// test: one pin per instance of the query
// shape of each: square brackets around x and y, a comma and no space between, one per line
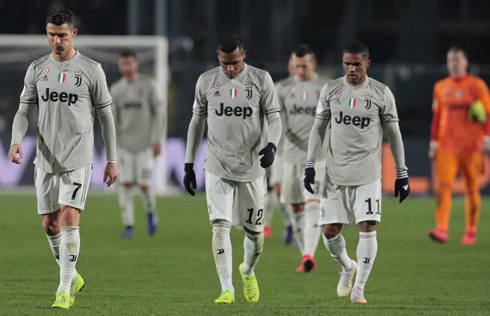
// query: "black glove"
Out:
[309,177]
[190,178]
[268,153]
[401,185]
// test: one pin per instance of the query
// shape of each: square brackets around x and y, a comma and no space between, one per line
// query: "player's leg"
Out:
[269,204]
[367,210]
[334,214]
[127,177]
[471,168]
[446,168]
[285,210]
[73,191]
[219,198]
[250,205]
[144,167]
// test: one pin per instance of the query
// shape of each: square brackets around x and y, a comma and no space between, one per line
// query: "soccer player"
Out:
[138,114]
[358,110]
[298,97]
[460,126]
[65,86]
[234,99]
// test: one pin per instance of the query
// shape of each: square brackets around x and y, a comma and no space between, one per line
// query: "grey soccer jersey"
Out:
[356,115]
[65,93]
[298,100]
[138,113]
[235,110]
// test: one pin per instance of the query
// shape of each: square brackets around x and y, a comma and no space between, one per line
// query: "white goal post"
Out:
[152,52]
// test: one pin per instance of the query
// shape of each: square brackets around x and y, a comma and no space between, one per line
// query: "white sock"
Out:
[149,200]
[269,204]
[69,249]
[126,205]
[222,253]
[285,210]
[252,246]
[298,221]
[366,253]
[336,247]
[312,230]
[54,244]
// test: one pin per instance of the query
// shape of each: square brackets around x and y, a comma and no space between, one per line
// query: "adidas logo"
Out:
[45,78]
[217,94]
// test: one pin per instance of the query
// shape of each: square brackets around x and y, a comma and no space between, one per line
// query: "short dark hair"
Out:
[356,48]
[301,50]
[128,53]
[457,48]
[60,17]
[229,42]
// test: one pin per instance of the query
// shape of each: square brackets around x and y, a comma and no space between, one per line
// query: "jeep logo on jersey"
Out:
[303,110]
[243,111]
[354,120]
[62,97]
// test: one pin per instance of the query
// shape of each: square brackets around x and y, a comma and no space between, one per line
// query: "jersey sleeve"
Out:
[200,106]
[158,113]
[268,98]
[99,92]
[483,95]
[435,100]
[388,110]
[323,108]
[29,92]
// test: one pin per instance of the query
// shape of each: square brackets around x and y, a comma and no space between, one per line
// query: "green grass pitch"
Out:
[173,272]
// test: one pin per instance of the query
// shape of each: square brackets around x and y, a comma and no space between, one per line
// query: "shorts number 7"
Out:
[78,186]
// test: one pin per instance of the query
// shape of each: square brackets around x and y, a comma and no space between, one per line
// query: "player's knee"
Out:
[330,231]
[50,226]
[144,188]
[127,185]
[298,207]
[367,226]
[221,226]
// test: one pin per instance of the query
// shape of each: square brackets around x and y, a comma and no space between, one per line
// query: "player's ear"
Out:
[368,63]
[75,32]
[244,53]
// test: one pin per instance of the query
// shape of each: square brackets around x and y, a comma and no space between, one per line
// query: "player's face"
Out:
[355,67]
[60,39]
[304,67]
[232,63]
[457,64]
[128,66]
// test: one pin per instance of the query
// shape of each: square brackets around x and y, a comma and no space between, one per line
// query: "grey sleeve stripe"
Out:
[272,111]
[322,118]
[28,102]
[101,106]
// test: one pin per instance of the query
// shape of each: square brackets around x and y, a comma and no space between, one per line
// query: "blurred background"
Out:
[408,41]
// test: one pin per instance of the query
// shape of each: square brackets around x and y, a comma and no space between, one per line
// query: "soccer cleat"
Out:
[250,286]
[345,282]
[267,232]
[77,285]
[227,297]
[62,300]
[469,239]
[287,235]
[128,233]
[151,223]
[357,296]
[438,235]
[307,264]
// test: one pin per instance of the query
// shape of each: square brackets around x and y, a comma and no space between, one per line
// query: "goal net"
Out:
[18,51]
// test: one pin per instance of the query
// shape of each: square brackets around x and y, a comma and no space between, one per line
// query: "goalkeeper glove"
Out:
[401,185]
[477,112]
[190,178]
[268,153]
[309,177]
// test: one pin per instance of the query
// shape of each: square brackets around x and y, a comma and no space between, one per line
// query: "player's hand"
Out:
[15,154]
[432,150]
[268,153]
[309,177]
[190,178]
[111,173]
[485,148]
[402,186]
[157,149]
[277,188]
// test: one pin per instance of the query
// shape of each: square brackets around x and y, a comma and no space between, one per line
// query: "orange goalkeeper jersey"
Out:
[451,127]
